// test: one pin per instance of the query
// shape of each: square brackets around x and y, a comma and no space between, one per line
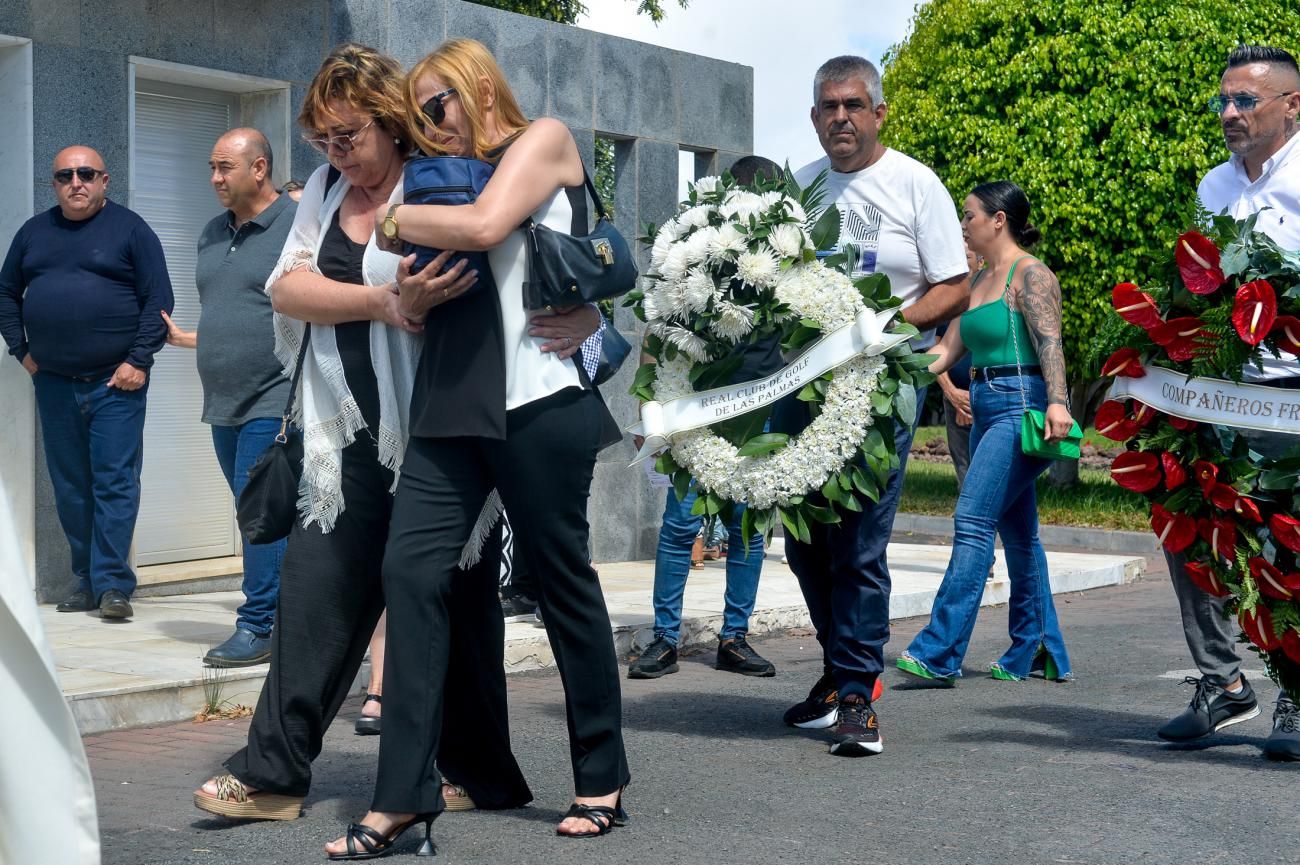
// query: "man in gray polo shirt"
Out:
[244,388]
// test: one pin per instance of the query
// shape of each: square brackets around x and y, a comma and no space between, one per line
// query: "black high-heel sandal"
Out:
[603,817]
[374,845]
[365,725]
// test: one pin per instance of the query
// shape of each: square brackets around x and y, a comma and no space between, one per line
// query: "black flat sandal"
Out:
[374,845]
[367,726]
[603,817]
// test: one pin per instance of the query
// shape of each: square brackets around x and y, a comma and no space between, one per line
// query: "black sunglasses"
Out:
[434,109]
[84,173]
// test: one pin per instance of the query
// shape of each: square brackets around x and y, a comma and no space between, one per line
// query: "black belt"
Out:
[988,373]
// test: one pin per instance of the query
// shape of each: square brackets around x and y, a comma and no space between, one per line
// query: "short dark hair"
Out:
[747,169]
[292,186]
[1248,55]
[1005,196]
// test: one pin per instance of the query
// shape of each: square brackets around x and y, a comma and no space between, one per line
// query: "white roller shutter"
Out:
[186,511]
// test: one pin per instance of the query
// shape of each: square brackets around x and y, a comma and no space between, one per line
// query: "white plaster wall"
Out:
[17,405]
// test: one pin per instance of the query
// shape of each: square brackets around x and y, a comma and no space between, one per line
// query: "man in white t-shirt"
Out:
[1258,101]
[901,222]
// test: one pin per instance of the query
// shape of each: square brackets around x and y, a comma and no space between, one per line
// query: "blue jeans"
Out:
[999,496]
[673,564]
[94,448]
[238,447]
[844,573]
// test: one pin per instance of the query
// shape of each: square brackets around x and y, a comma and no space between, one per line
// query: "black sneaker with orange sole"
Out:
[818,710]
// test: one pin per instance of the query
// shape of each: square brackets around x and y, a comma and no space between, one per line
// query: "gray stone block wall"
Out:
[652,101]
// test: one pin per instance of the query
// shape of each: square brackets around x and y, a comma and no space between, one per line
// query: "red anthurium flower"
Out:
[1134,306]
[1222,496]
[1198,263]
[1175,474]
[1269,579]
[1287,531]
[1126,362]
[1244,507]
[1286,330]
[1113,421]
[1257,625]
[1206,579]
[1182,338]
[1254,311]
[1221,534]
[1291,644]
[1181,423]
[1136,470]
[1206,474]
[1175,531]
[1145,414]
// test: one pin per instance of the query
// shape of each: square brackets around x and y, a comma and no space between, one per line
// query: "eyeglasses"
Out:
[344,142]
[434,109]
[84,173]
[1242,101]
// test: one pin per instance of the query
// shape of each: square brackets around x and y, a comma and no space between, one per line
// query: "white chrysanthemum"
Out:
[741,205]
[787,240]
[697,216]
[708,185]
[770,198]
[726,243]
[700,289]
[650,306]
[697,245]
[672,229]
[758,269]
[821,293]
[796,210]
[659,251]
[675,263]
[690,344]
[734,321]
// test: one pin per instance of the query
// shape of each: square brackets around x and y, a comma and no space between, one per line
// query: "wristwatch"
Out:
[390,222]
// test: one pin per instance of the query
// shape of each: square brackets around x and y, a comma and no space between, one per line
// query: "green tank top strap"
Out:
[1011,273]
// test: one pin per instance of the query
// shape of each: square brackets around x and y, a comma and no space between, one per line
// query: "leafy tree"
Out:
[568,11]
[1097,108]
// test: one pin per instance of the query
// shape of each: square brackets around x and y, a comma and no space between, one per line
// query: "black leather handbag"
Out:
[268,505]
[614,349]
[447,180]
[566,269]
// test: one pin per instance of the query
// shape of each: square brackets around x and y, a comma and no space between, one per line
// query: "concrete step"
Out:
[149,670]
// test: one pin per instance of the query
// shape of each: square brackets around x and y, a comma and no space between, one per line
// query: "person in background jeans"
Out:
[680,528]
[81,290]
[244,387]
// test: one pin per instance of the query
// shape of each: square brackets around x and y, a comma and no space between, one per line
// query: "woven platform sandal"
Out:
[236,801]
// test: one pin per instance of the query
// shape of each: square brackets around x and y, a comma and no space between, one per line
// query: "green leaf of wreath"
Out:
[682,486]
[826,516]
[826,231]
[881,403]
[831,490]
[905,403]
[851,503]
[763,444]
[796,525]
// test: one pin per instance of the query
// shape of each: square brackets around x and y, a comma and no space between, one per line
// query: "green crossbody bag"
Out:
[1033,423]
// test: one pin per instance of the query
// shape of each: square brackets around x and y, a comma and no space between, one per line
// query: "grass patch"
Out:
[1095,502]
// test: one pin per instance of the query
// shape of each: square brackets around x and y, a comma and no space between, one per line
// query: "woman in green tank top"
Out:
[1013,331]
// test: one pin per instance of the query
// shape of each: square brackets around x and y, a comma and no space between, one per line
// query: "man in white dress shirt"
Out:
[1258,101]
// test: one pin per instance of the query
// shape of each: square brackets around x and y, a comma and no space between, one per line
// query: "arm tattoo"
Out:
[1040,303]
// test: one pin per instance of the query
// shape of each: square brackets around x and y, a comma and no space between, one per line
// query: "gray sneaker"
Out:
[1284,742]
[1210,710]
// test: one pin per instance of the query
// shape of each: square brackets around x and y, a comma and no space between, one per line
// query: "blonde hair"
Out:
[360,77]
[464,64]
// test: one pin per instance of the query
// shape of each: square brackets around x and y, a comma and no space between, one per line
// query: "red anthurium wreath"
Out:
[1233,515]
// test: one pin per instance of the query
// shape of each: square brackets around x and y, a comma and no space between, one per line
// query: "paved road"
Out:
[988,772]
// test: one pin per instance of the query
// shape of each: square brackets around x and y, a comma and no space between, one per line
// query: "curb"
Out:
[1093,540]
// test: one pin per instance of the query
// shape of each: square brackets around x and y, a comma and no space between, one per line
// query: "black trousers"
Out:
[331,596]
[543,470]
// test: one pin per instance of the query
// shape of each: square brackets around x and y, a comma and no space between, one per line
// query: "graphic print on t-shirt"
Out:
[860,226]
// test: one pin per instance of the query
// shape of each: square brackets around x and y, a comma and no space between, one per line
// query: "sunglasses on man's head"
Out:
[84,173]
[434,109]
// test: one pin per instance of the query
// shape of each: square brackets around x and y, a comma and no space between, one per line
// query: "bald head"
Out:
[80,182]
[241,172]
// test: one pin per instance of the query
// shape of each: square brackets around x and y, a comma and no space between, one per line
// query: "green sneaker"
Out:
[1002,674]
[913,667]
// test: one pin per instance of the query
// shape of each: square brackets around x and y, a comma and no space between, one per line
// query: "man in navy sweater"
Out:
[81,295]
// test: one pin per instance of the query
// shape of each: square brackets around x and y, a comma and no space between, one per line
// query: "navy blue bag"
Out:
[447,180]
